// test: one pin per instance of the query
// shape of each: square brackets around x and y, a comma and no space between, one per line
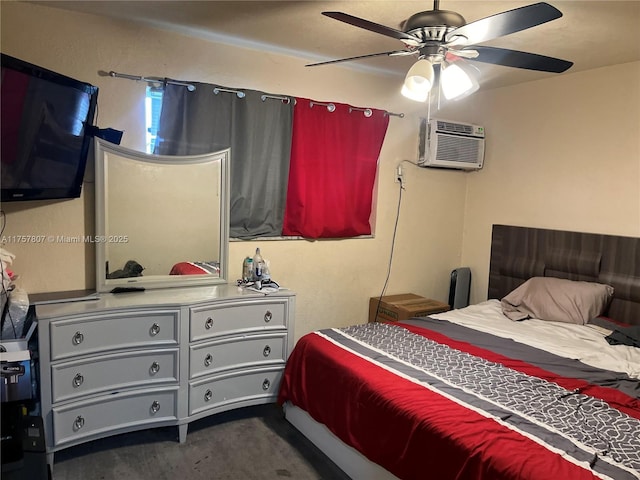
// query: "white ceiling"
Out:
[591,34]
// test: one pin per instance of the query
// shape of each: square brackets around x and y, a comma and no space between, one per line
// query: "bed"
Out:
[472,393]
[195,268]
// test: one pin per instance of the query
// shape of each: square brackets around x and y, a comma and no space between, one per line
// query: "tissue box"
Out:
[393,308]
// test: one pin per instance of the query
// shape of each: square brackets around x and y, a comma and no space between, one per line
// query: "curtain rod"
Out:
[239,93]
[139,78]
[367,112]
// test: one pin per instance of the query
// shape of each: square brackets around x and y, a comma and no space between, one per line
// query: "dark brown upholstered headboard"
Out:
[519,253]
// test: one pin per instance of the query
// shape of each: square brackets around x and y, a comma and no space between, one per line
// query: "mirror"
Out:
[161,221]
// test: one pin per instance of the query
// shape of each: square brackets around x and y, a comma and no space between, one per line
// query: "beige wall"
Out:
[562,153]
[333,279]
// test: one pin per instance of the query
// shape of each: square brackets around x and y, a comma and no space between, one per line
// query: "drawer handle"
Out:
[154,330]
[154,368]
[208,323]
[268,316]
[208,395]
[267,351]
[78,380]
[155,406]
[78,423]
[208,360]
[266,384]
[78,338]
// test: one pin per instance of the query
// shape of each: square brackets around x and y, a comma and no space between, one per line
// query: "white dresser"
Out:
[164,357]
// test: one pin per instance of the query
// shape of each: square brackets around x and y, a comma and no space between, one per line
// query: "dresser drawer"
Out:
[210,321]
[113,372]
[110,413]
[233,353]
[225,390]
[100,333]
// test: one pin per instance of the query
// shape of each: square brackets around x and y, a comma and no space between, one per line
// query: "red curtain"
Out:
[334,157]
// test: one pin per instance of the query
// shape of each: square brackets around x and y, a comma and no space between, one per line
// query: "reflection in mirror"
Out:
[161,221]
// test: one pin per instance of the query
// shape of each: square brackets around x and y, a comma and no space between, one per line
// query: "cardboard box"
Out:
[393,308]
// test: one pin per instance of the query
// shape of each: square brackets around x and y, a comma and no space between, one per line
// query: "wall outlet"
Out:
[399,175]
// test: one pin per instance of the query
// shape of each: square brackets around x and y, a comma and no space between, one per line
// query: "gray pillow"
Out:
[558,300]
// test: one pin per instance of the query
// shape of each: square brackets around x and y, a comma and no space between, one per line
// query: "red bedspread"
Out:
[457,421]
[195,268]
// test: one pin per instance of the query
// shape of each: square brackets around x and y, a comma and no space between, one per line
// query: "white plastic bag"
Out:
[13,324]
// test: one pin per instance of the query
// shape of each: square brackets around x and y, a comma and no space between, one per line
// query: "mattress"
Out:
[471,394]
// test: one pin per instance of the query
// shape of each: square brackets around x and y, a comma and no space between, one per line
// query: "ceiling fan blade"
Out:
[373,27]
[504,23]
[390,54]
[466,53]
[517,59]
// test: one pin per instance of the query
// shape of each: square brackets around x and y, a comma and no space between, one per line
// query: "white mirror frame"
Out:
[103,284]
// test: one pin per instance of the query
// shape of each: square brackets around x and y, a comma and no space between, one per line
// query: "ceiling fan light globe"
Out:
[423,69]
[457,83]
[418,84]
[418,81]
[417,96]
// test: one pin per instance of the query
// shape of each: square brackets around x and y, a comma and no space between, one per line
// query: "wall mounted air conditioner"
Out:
[448,144]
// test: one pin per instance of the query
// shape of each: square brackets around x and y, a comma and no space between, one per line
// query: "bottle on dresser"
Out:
[258,268]
[247,270]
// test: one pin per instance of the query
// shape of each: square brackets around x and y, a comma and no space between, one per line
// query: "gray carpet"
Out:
[253,443]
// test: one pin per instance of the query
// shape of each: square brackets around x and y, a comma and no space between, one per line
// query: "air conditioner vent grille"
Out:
[455,127]
[456,149]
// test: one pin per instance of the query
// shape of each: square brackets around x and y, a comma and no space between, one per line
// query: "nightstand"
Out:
[393,308]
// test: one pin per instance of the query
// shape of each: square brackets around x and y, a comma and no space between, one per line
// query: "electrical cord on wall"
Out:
[393,243]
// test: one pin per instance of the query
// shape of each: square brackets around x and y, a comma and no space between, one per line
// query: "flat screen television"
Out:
[45,123]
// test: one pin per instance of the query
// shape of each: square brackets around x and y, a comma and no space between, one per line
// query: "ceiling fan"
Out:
[442,39]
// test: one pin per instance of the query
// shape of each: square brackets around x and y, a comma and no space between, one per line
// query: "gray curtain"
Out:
[257,131]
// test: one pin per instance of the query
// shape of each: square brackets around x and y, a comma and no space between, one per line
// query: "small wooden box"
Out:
[393,308]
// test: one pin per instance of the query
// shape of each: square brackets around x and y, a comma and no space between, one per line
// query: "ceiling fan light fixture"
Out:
[418,81]
[457,82]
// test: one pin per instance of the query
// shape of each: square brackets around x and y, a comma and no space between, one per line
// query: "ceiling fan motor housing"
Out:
[433,25]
